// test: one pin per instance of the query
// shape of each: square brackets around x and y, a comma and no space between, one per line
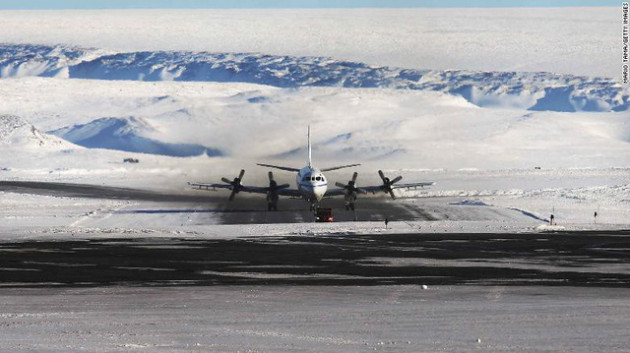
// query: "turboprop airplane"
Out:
[312,185]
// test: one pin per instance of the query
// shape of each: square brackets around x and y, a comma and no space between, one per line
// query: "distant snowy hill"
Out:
[126,135]
[17,132]
[519,90]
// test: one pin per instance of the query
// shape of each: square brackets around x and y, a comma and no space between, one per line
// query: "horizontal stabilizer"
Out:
[279,167]
[339,167]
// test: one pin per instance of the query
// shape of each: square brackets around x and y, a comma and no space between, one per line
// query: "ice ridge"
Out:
[536,91]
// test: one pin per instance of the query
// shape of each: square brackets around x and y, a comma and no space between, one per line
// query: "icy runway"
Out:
[555,259]
[331,293]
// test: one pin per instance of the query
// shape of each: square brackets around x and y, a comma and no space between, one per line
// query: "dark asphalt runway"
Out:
[559,259]
[245,209]
[100,192]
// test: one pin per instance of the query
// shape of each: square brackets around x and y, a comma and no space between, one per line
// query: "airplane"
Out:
[312,185]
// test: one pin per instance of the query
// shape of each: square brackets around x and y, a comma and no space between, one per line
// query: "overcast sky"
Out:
[125,4]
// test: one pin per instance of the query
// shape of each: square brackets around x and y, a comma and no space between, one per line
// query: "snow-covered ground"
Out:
[516,114]
[315,319]
[579,41]
[537,91]
[433,129]
[571,164]
[505,121]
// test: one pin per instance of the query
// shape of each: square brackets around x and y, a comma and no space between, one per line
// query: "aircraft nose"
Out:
[319,192]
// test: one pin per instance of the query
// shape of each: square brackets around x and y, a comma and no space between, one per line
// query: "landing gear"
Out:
[272,201]
[350,207]
[350,197]
[351,192]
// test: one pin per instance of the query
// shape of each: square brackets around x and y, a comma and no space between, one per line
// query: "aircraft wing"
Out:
[376,188]
[201,186]
[408,186]
[246,188]
[413,185]
[290,192]
[335,192]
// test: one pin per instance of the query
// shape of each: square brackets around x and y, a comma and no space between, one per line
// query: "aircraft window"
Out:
[318,178]
[306,178]
[312,178]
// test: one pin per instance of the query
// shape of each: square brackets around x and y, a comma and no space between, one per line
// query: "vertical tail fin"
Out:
[308,136]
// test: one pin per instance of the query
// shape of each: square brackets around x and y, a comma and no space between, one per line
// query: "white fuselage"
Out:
[312,184]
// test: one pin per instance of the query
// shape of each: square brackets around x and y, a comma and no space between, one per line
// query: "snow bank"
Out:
[550,228]
[519,90]
[126,135]
[17,132]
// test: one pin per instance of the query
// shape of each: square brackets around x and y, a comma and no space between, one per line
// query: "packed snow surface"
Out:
[315,319]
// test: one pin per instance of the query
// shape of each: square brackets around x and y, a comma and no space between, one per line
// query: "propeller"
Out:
[273,185]
[272,193]
[351,186]
[351,191]
[236,184]
[387,183]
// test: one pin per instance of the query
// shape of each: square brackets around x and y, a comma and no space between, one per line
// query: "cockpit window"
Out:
[309,177]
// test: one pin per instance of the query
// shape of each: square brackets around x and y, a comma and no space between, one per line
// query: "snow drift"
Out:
[125,134]
[17,132]
[519,90]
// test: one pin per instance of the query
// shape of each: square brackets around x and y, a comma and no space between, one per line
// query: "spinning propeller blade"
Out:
[236,184]
[387,184]
[351,187]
